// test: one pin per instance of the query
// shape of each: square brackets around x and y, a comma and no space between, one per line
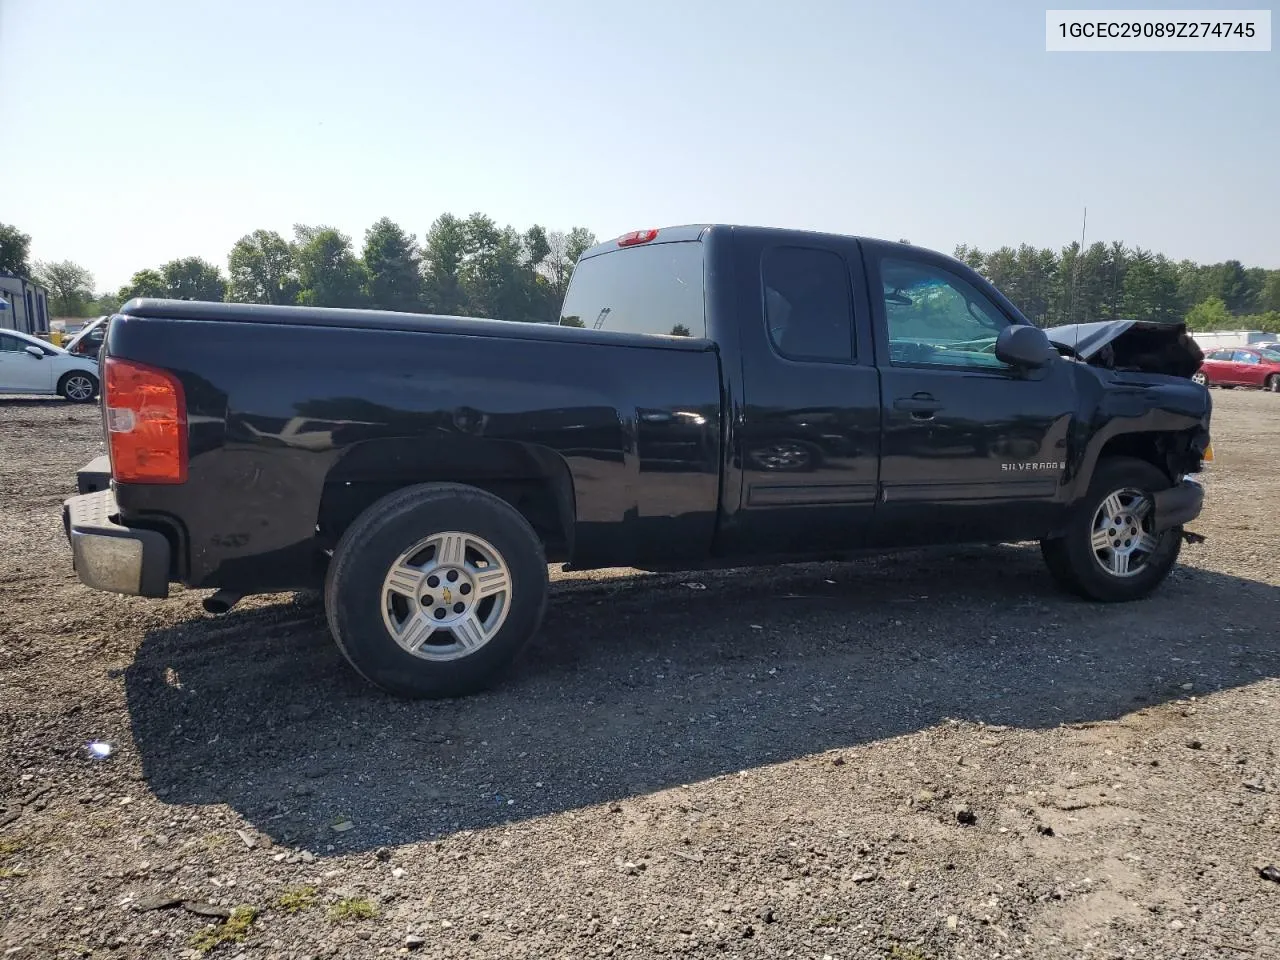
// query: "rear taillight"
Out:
[146,416]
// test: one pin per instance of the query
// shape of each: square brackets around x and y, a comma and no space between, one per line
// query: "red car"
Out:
[1240,367]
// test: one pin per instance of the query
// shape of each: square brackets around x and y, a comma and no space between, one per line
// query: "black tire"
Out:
[354,597]
[68,386]
[1273,383]
[1071,559]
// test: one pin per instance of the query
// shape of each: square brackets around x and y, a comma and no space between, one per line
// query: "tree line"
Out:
[464,266]
[1109,281]
[473,267]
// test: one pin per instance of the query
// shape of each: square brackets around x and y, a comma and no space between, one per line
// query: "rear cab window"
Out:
[655,288]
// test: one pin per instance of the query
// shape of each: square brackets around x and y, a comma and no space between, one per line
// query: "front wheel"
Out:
[78,387]
[1200,378]
[434,589]
[1109,551]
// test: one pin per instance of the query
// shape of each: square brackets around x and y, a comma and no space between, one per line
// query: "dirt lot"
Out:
[771,766]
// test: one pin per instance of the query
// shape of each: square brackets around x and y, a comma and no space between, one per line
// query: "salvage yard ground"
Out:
[927,756]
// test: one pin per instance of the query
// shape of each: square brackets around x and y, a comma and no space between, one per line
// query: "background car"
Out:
[88,341]
[1240,367]
[29,365]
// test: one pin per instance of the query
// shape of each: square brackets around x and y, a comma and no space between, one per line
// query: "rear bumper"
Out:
[110,556]
[94,475]
[1177,506]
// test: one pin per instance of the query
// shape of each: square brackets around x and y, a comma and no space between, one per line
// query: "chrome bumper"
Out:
[110,556]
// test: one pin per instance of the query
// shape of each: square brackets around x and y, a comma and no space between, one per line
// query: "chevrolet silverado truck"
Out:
[712,396]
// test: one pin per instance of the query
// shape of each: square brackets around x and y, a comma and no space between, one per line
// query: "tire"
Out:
[1200,378]
[1273,383]
[1072,559]
[78,387]
[412,533]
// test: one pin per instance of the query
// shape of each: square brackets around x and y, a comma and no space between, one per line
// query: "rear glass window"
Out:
[807,304]
[655,289]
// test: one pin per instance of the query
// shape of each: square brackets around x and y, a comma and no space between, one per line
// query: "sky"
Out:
[137,131]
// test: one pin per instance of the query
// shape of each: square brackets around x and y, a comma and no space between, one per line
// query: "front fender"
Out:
[1165,420]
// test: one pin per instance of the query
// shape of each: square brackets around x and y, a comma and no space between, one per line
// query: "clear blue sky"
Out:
[135,131]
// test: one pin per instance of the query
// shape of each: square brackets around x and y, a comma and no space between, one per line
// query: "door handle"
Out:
[921,406]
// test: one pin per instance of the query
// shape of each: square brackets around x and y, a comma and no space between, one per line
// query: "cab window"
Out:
[936,317]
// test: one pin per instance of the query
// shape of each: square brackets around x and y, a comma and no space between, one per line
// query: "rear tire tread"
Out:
[401,511]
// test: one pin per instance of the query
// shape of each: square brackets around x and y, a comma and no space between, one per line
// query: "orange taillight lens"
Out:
[146,416]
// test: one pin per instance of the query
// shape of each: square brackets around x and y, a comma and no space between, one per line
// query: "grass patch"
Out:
[297,899]
[9,846]
[213,841]
[900,952]
[7,873]
[353,908]
[233,930]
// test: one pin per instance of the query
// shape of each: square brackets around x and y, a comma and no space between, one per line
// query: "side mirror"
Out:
[1022,345]
[35,352]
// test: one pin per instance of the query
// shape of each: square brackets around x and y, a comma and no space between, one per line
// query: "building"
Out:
[25,304]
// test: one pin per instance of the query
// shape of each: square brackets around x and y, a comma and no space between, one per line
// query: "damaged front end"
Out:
[1138,346]
[1145,404]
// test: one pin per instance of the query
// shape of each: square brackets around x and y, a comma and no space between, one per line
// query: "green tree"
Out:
[70,287]
[971,257]
[193,278]
[446,248]
[1232,284]
[105,303]
[329,273]
[144,283]
[1269,298]
[264,269]
[1151,288]
[392,263]
[579,241]
[1210,314]
[15,249]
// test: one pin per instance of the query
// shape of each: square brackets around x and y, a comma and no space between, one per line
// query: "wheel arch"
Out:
[534,479]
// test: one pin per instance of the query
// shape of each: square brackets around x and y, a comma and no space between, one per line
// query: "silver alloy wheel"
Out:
[446,596]
[1122,541]
[79,388]
[1199,378]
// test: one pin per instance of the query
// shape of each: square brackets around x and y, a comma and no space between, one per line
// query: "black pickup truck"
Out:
[713,395]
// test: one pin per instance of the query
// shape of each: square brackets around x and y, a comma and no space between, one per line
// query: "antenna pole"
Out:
[1075,274]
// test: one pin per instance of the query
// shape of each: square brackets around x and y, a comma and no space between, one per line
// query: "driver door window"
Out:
[936,318]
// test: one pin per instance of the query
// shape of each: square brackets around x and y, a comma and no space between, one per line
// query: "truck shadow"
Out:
[646,682]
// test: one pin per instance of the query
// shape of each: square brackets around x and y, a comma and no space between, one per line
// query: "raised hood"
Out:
[1131,345]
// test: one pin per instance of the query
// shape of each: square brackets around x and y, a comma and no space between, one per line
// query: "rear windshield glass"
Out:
[656,289]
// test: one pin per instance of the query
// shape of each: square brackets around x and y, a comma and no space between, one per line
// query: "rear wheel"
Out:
[1273,383]
[434,589]
[1109,551]
[78,387]
[1200,378]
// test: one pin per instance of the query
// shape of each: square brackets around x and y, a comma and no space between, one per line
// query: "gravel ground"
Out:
[926,756]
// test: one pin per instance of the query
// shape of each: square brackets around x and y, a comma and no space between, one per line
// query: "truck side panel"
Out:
[280,413]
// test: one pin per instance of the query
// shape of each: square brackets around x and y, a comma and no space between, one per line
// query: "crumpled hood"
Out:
[1142,345]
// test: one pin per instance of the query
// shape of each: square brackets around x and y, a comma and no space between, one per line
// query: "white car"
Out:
[29,365]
